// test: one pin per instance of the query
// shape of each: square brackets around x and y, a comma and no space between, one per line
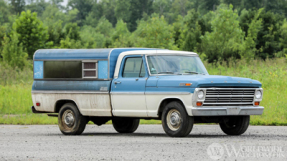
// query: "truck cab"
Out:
[129,84]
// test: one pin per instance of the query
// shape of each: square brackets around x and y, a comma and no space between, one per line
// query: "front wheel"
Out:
[70,120]
[235,125]
[125,125]
[175,120]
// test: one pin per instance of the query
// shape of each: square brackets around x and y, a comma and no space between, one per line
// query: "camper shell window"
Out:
[62,69]
[70,69]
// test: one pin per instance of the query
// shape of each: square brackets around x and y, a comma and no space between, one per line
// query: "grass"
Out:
[15,92]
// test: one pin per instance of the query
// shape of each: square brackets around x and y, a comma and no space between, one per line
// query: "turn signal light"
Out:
[256,103]
[187,84]
[37,104]
[198,103]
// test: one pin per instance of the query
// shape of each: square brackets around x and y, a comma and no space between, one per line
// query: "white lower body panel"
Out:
[89,104]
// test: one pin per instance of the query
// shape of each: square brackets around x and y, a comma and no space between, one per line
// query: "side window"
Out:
[89,69]
[134,67]
[70,69]
[62,69]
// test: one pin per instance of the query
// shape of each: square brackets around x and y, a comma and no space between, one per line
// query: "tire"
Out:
[125,125]
[235,125]
[70,120]
[175,120]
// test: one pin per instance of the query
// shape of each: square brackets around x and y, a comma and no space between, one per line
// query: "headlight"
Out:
[200,94]
[258,94]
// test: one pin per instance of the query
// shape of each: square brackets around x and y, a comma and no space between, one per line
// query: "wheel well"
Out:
[165,102]
[60,103]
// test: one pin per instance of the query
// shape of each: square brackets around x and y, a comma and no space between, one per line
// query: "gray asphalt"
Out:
[149,142]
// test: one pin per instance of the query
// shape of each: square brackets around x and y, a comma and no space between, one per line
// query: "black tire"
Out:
[175,120]
[235,125]
[70,120]
[125,125]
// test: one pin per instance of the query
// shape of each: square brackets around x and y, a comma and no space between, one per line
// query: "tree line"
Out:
[219,30]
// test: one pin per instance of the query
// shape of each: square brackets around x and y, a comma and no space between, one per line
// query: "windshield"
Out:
[175,64]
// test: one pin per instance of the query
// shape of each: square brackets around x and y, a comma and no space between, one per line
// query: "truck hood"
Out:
[205,81]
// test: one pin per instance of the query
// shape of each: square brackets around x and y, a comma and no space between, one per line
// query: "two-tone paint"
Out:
[113,95]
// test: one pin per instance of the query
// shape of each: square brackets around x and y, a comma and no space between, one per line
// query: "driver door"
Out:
[128,90]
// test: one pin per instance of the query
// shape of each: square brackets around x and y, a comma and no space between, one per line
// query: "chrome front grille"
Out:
[229,97]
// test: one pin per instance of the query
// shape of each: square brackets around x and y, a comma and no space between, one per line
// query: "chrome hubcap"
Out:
[174,120]
[69,118]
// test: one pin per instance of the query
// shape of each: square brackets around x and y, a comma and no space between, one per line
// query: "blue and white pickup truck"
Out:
[128,84]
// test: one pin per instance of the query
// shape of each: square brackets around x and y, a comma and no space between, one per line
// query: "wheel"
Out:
[70,120]
[125,125]
[235,125]
[175,120]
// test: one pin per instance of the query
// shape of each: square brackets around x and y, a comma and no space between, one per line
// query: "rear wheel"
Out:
[70,120]
[175,120]
[235,125]
[125,125]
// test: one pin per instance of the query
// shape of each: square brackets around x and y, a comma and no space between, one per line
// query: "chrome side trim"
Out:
[70,92]
[127,93]
[169,93]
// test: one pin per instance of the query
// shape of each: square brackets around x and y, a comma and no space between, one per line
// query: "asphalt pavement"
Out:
[149,142]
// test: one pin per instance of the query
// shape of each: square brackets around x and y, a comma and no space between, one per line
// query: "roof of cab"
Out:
[157,52]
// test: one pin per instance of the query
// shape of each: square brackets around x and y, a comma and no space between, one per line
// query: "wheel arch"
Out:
[165,101]
[61,102]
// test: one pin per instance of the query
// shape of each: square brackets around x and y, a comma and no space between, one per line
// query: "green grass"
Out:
[15,92]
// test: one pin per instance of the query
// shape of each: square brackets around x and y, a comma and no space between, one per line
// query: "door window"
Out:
[134,67]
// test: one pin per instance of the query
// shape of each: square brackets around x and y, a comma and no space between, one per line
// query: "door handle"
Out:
[117,82]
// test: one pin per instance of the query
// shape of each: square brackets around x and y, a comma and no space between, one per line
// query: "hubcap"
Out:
[173,120]
[69,118]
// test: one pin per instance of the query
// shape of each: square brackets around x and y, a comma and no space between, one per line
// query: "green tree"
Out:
[268,36]
[17,6]
[31,32]
[4,12]
[121,36]
[68,43]
[226,37]
[91,38]
[154,33]
[13,53]
[38,6]
[84,7]
[248,49]
[54,20]
[72,30]
[122,10]
[283,40]
[138,9]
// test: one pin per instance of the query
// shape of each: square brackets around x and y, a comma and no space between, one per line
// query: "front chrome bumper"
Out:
[227,111]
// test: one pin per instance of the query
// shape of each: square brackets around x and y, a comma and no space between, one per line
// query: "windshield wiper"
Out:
[165,73]
[192,73]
